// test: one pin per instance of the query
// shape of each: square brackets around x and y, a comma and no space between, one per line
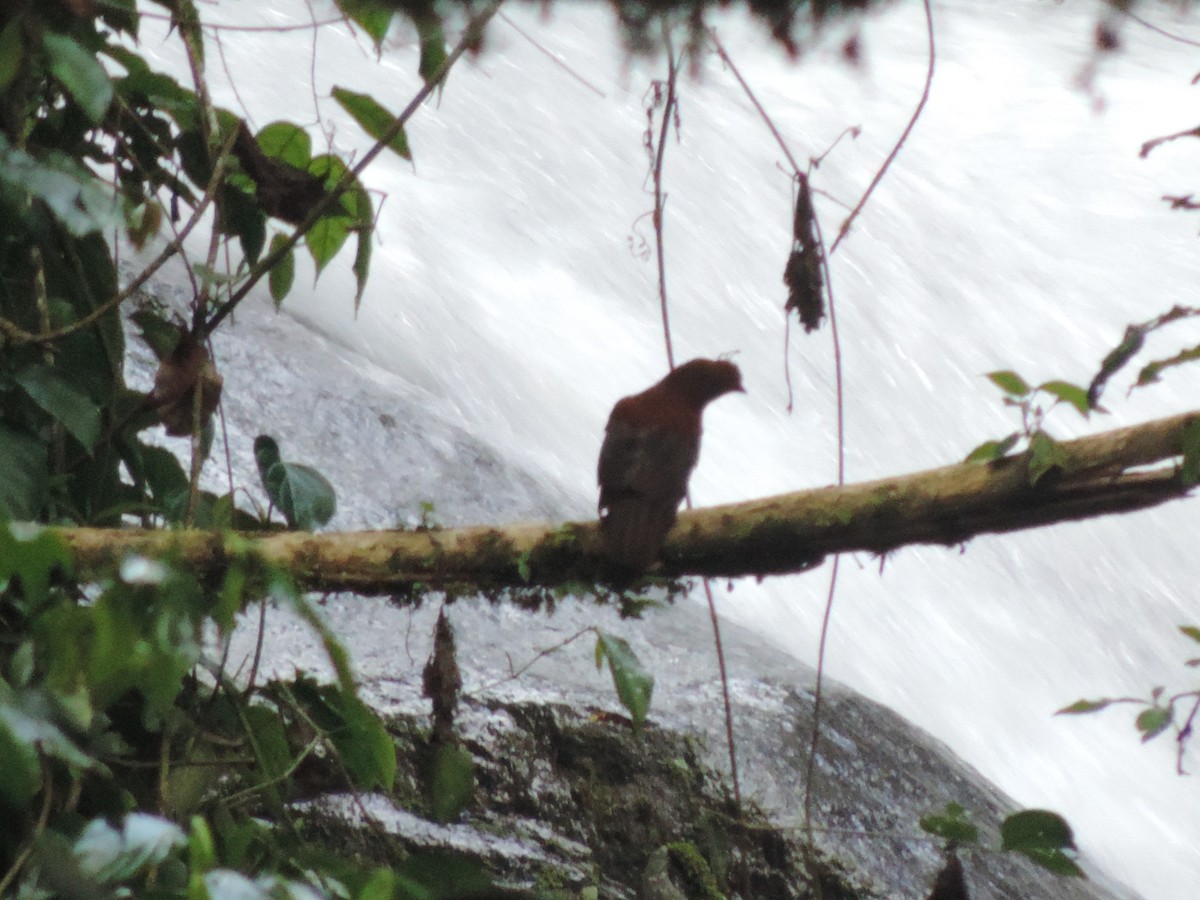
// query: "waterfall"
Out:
[1017,229]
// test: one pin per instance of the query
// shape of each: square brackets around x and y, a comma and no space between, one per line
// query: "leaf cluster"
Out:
[132,767]
[1041,835]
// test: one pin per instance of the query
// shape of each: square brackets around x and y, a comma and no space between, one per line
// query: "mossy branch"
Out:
[1113,472]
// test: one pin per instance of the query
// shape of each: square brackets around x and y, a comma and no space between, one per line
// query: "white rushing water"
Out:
[1017,229]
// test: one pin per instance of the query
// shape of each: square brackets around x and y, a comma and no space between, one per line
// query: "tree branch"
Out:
[1101,474]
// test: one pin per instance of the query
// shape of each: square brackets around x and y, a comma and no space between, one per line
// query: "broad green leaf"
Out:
[372,16]
[453,782]
[1068,393]
[271,750]
[374,119]
[989,451]
[326,238]
[286,141]
[366,747]
[56,395]
[32,558]
[26,717]
[283,273]
[1189,470]
[12,52]
[1154,721]
[1009,382]
[306,498]
[1083,706]
[1043,836]
[80,73]
[244,218]
[951,825]
[633,683]
[26,482]
[1045,453]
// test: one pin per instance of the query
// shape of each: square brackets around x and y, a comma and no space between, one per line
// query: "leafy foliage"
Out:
[1043,836]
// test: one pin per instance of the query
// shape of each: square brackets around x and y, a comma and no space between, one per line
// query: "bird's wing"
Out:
[645,461]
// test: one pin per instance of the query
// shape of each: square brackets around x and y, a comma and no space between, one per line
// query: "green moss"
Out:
[693,869]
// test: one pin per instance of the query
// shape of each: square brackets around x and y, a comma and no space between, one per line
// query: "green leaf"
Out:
[1154,721]
[633,683]
[271,750]
[453,782]
[21,766]
[1045,453]
[160,333]
[33,559]
[243,218]
[373,118]
[286,141]
[433,44]
[202,851]
[12,53]
[1189,470]
[952,825]
[57,396]
[366,747]
[306,498]
[112,856]
[380,886]
[1068,393]
[326,238]
[25,486]
[1043,836]
[80,73]
[1150,372]
[1009,382]
[1083,706]
[1191,631]
[373,17]
[990,451]
[283,273]
[73,194]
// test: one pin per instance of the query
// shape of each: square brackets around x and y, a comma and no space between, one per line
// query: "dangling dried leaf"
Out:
[441,681]
[802,274]
[284,191]
[181,373]
[950,883]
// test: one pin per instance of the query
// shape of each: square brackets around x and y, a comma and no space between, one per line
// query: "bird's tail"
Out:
[634,530]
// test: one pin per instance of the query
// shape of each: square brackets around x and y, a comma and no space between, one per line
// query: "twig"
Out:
[557,61]
[670,109]
[1157,30]
[514,674]
[660,199]
[845,229]
[268,262]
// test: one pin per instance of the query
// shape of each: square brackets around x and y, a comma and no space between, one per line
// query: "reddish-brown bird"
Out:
[650,447]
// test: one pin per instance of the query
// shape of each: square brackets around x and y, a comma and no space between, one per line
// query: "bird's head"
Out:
[704,380]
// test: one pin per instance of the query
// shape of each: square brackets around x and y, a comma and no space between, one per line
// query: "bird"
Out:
[651,445]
